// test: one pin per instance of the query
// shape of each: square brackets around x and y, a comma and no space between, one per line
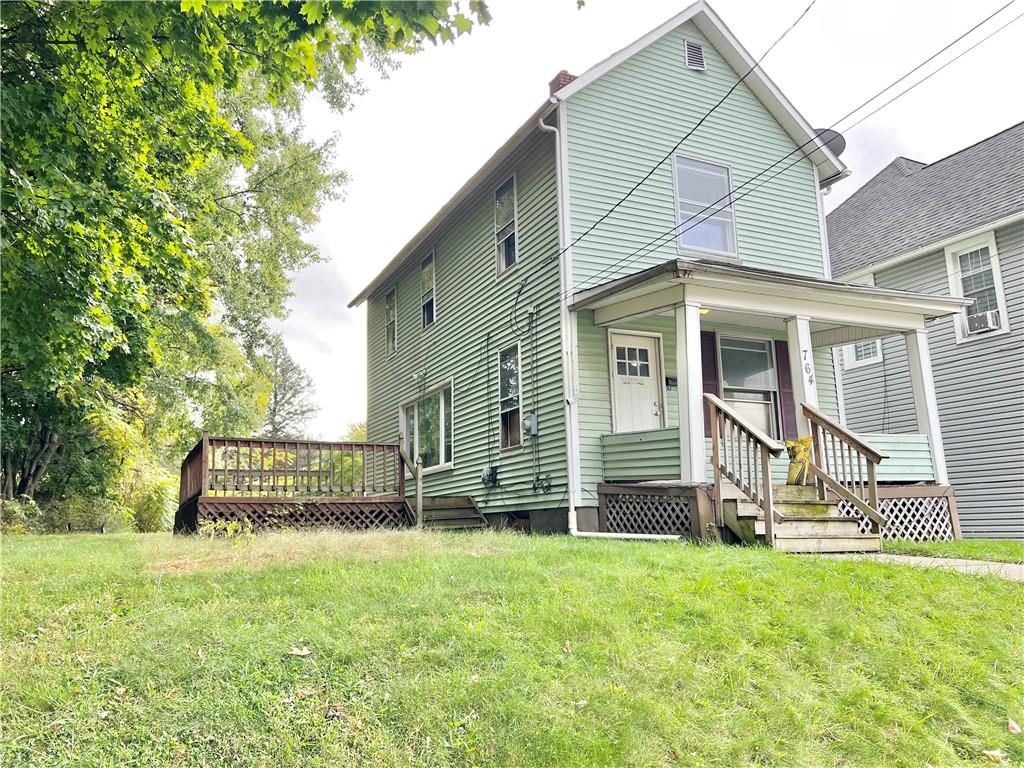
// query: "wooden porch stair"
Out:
[452,513]
[803,523]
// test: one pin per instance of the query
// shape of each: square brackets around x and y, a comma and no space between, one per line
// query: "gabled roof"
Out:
[908,205]
[829,167]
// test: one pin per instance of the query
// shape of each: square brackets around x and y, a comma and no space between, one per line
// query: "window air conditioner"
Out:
[983,321]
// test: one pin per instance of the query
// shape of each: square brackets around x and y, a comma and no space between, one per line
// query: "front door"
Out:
[636,382]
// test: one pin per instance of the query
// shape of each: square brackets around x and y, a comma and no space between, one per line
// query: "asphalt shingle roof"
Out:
[909,205]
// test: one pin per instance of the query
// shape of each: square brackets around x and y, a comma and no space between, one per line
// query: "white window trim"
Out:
[432,256]
[392,290]
[448,383]
[519,370]
[658,337]
[501,270]
[690,249]
[775,391]
[952,253]
[850,361]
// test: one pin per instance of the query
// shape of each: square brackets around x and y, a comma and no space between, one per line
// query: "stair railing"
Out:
[845,465]
[416,470]
[742,453]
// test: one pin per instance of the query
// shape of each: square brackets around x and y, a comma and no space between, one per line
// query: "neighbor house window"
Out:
[390,322]
[508,397]
[862,353]
[704,207]
[427,313]
[749,382]
[428,427]
[505,224]
[973,268]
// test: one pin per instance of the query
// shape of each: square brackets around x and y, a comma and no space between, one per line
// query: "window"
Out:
[390,322]
[633,361]
[701,186]
[862,353]
[749,383]
[505,224]
[428,428]
[508,397]
[427,291]
[973,267]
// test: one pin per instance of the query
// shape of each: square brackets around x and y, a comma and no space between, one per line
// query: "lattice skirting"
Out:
[915,512]
[653,510]
[353,513]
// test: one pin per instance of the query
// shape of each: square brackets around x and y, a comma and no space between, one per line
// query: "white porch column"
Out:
[919,360]
[691,394]
[801,367]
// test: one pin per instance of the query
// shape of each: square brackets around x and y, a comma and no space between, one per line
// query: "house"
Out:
[567,353]
[954,226]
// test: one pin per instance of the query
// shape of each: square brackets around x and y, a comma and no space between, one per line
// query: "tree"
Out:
[291,403]
[146,147]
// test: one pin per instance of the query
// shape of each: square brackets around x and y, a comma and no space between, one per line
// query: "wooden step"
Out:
[452,513]
[806,508]
[833,543]
[783,493]
[812,526]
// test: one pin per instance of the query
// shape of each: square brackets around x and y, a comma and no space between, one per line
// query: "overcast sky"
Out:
[415,137]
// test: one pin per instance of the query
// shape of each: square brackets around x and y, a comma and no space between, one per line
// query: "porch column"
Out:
[801,367]
[919,360]
[691,394]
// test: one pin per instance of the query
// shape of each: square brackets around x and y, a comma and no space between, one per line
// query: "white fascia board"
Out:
[938,245]
[830,167]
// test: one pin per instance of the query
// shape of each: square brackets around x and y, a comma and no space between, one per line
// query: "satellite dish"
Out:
[833,140]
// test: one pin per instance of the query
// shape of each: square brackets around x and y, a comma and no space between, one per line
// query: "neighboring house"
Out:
[553,372]
[953,226]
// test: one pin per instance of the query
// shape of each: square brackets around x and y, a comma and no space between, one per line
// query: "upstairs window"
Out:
[508,397]
[704,207]
[390,322]
[428,428]
[973,268]
[862,353]
[427,291]
[505,224]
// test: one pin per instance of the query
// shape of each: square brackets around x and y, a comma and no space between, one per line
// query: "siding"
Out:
[473,310]
[979,387]
[624,122]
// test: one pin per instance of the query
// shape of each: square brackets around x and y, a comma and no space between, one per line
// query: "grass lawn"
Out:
[418,649]
[996,550]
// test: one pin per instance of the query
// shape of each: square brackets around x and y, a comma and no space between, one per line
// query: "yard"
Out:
[395,649]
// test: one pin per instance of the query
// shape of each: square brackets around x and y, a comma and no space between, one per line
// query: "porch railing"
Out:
[742,453]
[844,464]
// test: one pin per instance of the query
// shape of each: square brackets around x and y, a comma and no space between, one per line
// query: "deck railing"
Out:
[742,453]
[844,464]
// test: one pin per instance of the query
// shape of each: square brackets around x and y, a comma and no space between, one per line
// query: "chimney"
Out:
[559,81]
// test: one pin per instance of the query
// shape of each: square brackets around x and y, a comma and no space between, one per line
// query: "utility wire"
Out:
[687,135]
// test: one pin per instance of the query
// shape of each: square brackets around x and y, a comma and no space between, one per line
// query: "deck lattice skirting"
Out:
[914,512]
[652,509]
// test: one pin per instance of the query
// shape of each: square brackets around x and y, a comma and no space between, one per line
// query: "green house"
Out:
[608,334]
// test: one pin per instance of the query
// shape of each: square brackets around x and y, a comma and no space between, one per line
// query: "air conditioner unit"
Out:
[983,321]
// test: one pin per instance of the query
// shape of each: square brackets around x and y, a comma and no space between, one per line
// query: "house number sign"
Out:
[808,367]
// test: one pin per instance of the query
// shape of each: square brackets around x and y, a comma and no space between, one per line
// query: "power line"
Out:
[732,197]
[687,135]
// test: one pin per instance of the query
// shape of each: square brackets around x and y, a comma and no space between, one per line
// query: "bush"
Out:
[21,516]
[152,503]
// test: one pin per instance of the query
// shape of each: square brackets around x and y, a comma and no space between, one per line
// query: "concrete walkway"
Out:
[1014,571]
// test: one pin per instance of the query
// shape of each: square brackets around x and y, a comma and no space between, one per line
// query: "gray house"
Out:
[952,227]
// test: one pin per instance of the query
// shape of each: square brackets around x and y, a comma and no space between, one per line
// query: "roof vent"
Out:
[559,81]
[694,55]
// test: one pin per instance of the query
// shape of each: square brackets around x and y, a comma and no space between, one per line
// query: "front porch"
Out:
[766,347]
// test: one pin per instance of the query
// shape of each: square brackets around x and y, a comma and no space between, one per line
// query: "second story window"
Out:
[508,397]
[505,224]
[390,322]
[427,291]
[973,268]
[704,207]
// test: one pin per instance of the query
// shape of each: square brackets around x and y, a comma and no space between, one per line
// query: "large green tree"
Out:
[154,190]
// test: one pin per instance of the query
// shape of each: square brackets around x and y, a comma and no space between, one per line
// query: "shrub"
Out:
[152,503]
[20,516]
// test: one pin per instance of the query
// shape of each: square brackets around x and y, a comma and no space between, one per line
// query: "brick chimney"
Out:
[559,81]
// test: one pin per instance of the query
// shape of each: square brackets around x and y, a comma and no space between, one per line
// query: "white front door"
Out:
[636,382]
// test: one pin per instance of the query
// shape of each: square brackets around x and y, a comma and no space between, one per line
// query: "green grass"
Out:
[996,550]
[496,649]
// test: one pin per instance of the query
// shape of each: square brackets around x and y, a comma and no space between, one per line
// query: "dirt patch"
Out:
[192,554]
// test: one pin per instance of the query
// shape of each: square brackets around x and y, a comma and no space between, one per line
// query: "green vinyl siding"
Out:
[472,325]
[651,455]
[623,123]
[908,458]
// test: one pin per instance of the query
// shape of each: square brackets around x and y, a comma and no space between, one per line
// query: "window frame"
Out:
[953,252]
[519,404]
[437,389]
[684,249]
[775,391]
[850,361]
[499,261]
[432,258]
[393,292]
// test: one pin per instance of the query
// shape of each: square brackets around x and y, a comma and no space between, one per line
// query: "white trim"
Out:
[499,258]
[952,252]
[938,245]
[519,396]
[683,250]
[850,361]
[925,402]
[725,43]
[837,372]
[437,388]
[663,389]
[826,260]
[690,391]
[802,369]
